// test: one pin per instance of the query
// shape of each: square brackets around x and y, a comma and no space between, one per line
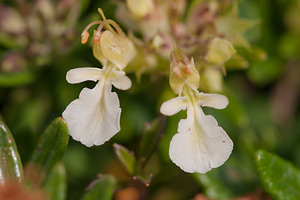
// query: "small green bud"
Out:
[212,79]
[219,51]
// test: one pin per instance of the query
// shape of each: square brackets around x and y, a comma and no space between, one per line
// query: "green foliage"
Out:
[10,163]
[279,178]
[126,157]
[150,137]
[131,164]
[136,165]
[50,148]
[102,188]
[56,185]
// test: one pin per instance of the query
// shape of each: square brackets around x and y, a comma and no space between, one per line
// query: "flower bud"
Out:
[162,44]
[118,49]
[140,8]
[219,51]
[212,79]
[182,72]
[84,37]
[46,9]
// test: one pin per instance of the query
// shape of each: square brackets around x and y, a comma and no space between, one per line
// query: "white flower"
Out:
[94,117]
[200,143]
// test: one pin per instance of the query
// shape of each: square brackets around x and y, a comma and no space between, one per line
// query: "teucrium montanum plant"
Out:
[200,143]
[94,117]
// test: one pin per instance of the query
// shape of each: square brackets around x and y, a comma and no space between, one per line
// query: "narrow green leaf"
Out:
[150,137]
[144,177]
[55,185]
[15,79]
[10,162]
[279,178]
[126,157]
[50,148]
[130,163]
[101,189]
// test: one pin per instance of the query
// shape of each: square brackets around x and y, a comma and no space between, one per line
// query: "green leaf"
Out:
[144,177]
[279,178]
[150,137]
[56,183]
[16,79]
[50,149]
[101,189]
[126,157]
[134,167]
[10,162]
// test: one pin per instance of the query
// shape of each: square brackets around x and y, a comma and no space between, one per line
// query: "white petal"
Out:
[121,81]
[78,75]
[173,106]
[217,101]
[202,146]
[95,117]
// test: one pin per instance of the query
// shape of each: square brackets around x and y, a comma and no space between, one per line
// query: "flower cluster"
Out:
[205,31]
[204,35]
[34,31]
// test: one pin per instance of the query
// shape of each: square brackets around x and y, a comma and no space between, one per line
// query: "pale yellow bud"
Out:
[219,51]
[118,49]
[212,79]
[140,8]
[157,41]
[46,9]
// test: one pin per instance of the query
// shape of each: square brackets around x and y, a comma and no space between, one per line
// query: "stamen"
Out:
[104,19]
[107,23]
[84,37]
[85,34]
[116,26]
